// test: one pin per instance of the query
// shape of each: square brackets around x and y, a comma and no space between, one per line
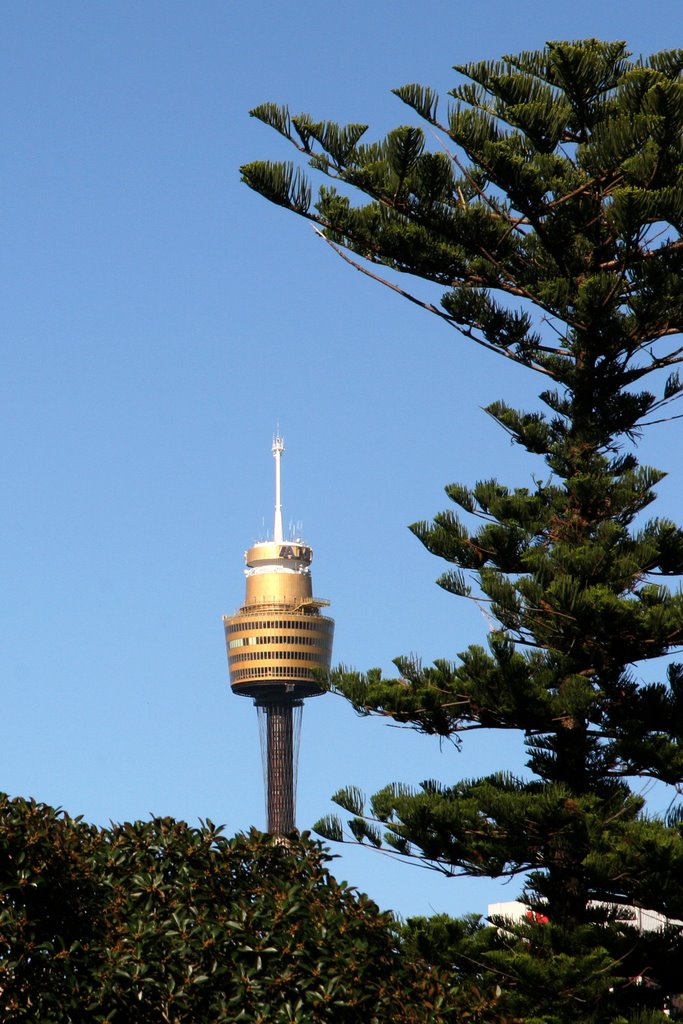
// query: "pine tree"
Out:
[551,216]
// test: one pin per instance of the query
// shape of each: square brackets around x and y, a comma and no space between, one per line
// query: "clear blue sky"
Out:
[157,319]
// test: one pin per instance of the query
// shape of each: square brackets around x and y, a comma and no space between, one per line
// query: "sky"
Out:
[157,322]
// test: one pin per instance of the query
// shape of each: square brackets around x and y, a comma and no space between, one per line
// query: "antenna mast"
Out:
[278,449]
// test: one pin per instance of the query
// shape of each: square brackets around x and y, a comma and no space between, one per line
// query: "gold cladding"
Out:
[278,641]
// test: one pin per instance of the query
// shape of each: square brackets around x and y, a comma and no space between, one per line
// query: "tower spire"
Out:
[278,449]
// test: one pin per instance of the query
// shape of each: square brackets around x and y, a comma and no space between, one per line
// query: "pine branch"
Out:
[432,309]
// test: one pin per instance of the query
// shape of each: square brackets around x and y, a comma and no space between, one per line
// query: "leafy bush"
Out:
[160,923]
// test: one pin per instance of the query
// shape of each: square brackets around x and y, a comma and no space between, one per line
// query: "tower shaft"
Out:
[279,756]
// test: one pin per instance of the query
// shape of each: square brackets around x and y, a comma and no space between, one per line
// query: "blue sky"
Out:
[157,320]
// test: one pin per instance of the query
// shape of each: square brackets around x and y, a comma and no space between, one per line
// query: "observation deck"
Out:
[278,641]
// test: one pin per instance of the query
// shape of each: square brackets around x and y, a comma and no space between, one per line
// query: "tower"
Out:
[276,642]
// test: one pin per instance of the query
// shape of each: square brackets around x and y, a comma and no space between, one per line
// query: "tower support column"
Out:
[280,744]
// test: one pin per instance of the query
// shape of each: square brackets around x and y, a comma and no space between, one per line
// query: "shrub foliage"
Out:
[158,922]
